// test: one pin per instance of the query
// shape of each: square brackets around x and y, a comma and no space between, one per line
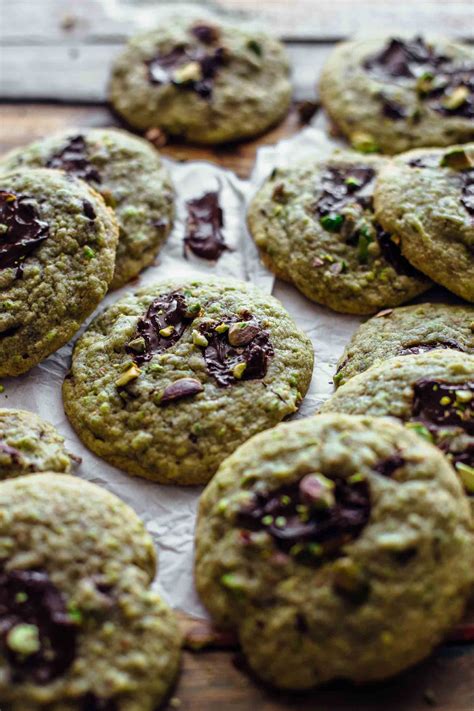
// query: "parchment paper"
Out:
[169,512]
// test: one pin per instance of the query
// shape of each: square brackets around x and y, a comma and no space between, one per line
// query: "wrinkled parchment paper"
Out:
[169,512]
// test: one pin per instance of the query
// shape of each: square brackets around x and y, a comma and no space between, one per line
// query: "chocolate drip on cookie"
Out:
[73,158]
[22,231]
[37,633]
[237,348]
[160,327]
[204,227]
[313,518]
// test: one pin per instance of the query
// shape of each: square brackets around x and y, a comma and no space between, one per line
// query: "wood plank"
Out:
[64,21]
[80,73]
[24,123]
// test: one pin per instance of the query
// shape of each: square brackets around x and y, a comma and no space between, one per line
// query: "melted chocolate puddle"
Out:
[241,352]
[24,231]
[73,158]
[401,59]
[204,227]
[168,314]
[28,597]
[304,523]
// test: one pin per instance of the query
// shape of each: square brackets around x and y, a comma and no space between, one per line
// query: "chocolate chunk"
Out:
[389,465]
[204,227]
[160,327]
[88,210]
[467,197]
[306,110]
[162,68]
[392,253]
[73,158]
[424,347]
[401,59]
[426,161]
[227,363]
[184,387]
[91,702]
[438,403]
[311,533]
[393,109]
[341,186]
[24,231]
[28,598]
[205,33]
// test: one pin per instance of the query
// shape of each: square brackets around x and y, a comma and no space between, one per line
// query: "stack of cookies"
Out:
[337,546]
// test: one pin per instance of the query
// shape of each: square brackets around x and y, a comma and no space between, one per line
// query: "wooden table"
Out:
[54,62]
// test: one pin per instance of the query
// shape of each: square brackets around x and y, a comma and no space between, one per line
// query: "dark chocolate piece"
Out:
[435,403]
[24,231]
[341,186]
[73,158]
[204,227]
[393,109]
[91,702]
[467,197]
[387,467]
[401,58]
[162,67]
[424,347]
[392,253]
[222,358]
[88,209]
[208,34]
[28,597]
[310,529]
[168,312]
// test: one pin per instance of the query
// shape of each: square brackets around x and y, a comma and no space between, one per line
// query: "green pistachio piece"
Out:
[456,98]
[222,328]
[332,222]
[199,339]
[167,331]
[420,430]
[241,333]
[187,73]
[364,142]
[130,374]
[458,159]
[466,474]
[137,345]
[24,639]
[238,370]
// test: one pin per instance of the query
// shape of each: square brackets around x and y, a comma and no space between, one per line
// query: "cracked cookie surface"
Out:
[171,379]
[337,547]
[129,174]
[57,255]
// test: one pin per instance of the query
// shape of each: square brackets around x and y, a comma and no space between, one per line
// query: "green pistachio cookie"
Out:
[432,393]
[406,331]
[392,94]
[81,628]
[28,444]
[169,380]
[202,81]
[427,197]
[314,225]
[129,174]
[336,547]
[57,254]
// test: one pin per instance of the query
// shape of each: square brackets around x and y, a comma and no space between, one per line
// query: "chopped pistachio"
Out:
[356,478]
[24,639]
[199,339]
[255,47]
[231,581]
[241,333]
[88,252]
[167,331]
[445,400]
[131,374]
[466,474]
[458,159]
[21,597]
[222,328]
[137,345]
[364,142]
[332,222]
[420,430]
[267,520]
[189,72]
[280,521]
[238,370]
[456,98]
[464,395]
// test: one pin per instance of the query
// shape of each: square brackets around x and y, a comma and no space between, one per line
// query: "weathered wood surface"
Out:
[60,51]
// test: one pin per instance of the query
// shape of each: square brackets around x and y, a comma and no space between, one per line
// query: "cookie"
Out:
[392,94]
[129,174]
[427,197]
[432,393]
[81,629]
[202,81]
[406,331]
[57,258]
[169,380]
[337,547]
[314,225]
[28,445]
